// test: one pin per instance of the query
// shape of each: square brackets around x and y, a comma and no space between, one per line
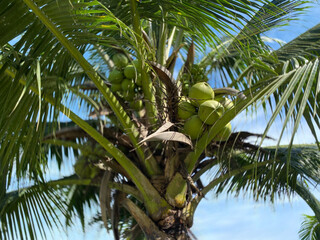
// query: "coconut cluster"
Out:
[85,166]
[201,109]
[194,75]
[125,80]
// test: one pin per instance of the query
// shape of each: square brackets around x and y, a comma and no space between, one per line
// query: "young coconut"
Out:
[137,65]
[115,87]
[120,60]
[193,127]
[222,135]
[210,111]
[130,72]
[127,85]
[185,109]
[226,102]
[200,92]
[115,76]
[139,80]
[136,105]
[128,95]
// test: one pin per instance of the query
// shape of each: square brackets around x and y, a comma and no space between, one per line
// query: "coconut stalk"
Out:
[147,86]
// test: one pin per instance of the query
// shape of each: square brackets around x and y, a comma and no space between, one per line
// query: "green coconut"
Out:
[137,65]
[200,92]
[193,127]
[139,80]
[115,76]
[120,60]
[127,85]
[115,87]
[224,134]
[226,102]
[128,95]
[136,105]
[176,191]
[210,111]
[130,71]
[185,109]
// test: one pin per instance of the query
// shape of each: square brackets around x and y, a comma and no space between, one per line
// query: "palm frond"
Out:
[202,21]
[42,207]
[30,211]
[80,197]
[17,134]
[278,178]
[21,141]
[292,91]
[310,228]
[235,53]
[272,14]
[306,45]
[298,95]
[231,59]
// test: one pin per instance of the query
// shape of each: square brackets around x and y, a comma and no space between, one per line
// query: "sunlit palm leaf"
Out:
[292,90]
[310,228]
[202,21]
[295,96]
[272,14]
[236,52]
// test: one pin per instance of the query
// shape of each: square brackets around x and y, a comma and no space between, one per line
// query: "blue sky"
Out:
[242,218]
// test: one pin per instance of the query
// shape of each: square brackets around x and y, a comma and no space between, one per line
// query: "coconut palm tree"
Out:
[145,126]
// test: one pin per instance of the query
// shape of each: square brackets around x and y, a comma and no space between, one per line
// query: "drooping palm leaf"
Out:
[262,175]
[27,133]
[272,14]
[234,54]
[42,207]
[306,45]
[310,228]
[278,178]
[292,90]
[30,211]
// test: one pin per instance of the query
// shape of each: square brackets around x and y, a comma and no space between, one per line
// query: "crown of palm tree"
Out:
[55,57]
